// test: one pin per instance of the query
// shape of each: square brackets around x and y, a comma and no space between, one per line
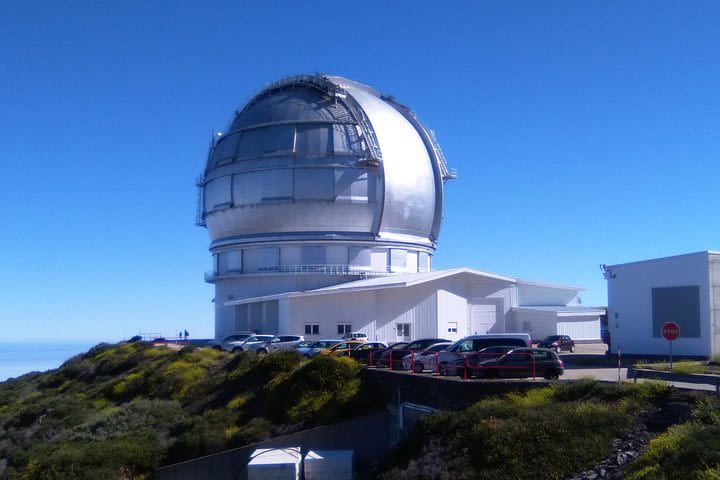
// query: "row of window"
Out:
[303,139]
[350,185]
[314,329]
[319,259]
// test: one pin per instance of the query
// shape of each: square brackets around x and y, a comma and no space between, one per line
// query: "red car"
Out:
[558,343]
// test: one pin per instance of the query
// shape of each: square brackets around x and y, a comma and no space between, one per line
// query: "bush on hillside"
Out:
[558,431]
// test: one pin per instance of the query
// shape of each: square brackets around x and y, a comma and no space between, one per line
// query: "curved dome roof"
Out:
[324,158]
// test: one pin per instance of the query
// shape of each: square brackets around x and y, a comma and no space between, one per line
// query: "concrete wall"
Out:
[630,312]
[368,439]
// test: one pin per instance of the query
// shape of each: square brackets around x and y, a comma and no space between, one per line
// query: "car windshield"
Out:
[259,338]
[552,338]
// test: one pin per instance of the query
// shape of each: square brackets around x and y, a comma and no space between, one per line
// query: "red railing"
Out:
[467,366]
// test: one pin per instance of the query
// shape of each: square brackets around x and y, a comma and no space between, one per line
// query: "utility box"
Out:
[329,465]
[275,464]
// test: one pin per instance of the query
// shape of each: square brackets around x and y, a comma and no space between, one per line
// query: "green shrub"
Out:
[131,456]
[688,366]
[557,431]
[684,451]
[317,391]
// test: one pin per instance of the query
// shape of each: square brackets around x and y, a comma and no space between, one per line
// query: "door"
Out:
[403,332]
[482,319]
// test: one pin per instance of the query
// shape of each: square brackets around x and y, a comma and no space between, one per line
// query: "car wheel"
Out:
[443,370]
[418,368]
[237,350]
[461,372]
[551,375]
[572,349]
[262,352]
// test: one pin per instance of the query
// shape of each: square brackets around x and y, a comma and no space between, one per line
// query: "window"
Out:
[343,329]
[403,331]
[312,329]
[452,327]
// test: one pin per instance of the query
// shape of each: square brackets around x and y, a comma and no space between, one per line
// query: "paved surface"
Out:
[589,360]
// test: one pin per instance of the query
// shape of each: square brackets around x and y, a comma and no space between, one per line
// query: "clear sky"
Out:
[583,133]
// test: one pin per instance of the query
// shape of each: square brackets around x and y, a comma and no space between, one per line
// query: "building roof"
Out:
[564,311]
[660,259]
[395,281]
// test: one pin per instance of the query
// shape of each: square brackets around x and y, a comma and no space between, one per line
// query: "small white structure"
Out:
[275,464]
[442,303]
[329,465]
[643,295]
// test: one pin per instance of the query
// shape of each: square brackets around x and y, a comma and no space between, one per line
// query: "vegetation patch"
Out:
[688,450]
[119,411]
[559,430]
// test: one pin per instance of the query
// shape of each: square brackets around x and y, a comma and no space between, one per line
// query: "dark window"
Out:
[677,304]
[313,329]
[343,329]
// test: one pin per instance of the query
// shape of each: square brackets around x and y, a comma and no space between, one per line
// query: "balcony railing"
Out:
[302,270]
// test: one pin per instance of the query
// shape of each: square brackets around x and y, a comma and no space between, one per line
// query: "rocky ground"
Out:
[650,424]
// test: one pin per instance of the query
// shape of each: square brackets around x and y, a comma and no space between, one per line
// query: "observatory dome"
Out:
[319,170]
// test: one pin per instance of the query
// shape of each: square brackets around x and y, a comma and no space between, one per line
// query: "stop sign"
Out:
[670,331]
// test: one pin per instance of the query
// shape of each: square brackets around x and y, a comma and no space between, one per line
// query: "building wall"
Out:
[579,327]
[630,304]
[536,323]
[452,315]
[714,275]
[417,305]
[328,311]
[532,295]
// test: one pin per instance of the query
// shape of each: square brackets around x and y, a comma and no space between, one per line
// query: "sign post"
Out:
[670,331]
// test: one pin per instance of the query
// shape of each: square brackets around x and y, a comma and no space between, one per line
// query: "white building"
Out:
[443,303]
[643,295]
[323,202]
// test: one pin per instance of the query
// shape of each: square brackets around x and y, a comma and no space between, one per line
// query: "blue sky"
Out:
[583,133]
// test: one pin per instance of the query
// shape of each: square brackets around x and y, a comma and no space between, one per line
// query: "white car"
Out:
[247,344]
[425,360]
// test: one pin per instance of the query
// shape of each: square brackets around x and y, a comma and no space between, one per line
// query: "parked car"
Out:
[221,343]
[475,343]
[522,363]
[384,355]
[355,336]
[366,351]
[425,360]
[414,346]
[558,343]
[341,349]
[280,342]
[312,348]
[457,366]
[249,344]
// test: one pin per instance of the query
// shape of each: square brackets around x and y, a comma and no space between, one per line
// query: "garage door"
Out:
[482,319]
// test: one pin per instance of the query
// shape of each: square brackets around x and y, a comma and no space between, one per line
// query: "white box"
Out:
[329,465]
[274,464]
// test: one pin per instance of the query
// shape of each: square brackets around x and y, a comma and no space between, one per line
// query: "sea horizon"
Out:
[24,356]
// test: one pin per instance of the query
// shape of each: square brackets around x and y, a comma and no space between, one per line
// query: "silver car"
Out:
[279,342]
[425,360]
[223,343]
[249,344]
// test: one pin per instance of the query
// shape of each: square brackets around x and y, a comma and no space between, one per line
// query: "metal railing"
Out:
[319,269]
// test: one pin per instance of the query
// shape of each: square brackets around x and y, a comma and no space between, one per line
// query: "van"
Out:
[475,343]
